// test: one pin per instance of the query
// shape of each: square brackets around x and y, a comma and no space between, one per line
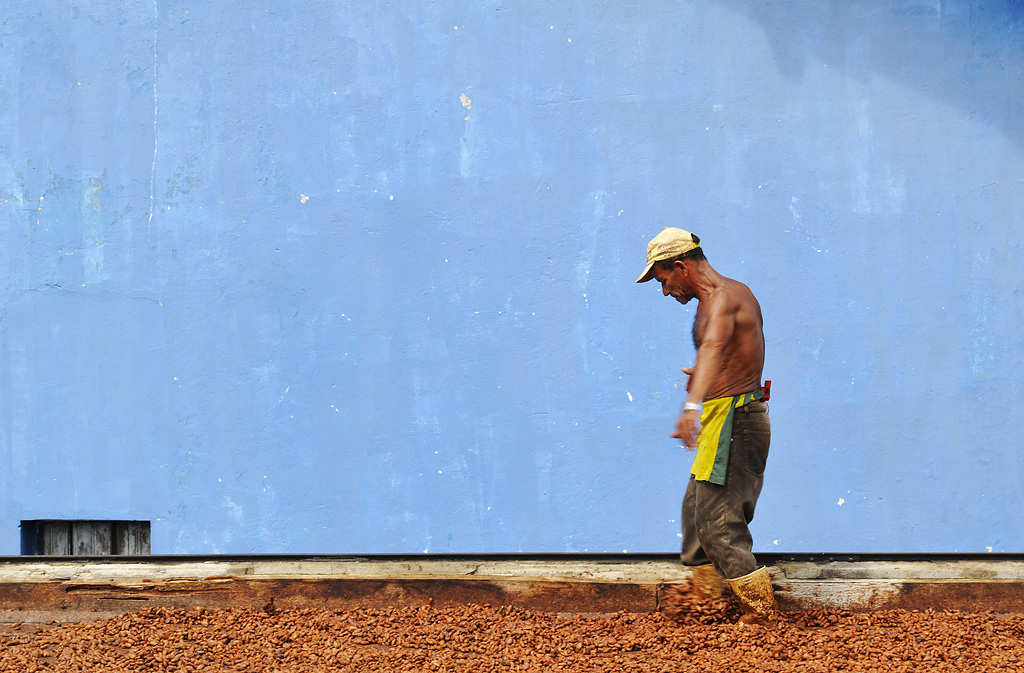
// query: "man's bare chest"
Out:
[700,321]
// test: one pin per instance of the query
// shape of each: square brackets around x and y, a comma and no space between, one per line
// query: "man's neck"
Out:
[706,280]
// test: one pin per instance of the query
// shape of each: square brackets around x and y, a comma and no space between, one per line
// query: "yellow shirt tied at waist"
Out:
[715,435]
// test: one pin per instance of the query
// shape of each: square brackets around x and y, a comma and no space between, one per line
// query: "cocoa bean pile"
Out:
[473,638]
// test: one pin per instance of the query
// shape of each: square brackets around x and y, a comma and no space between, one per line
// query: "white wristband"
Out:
[692,406]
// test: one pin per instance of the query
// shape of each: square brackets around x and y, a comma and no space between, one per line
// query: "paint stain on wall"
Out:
[185,179]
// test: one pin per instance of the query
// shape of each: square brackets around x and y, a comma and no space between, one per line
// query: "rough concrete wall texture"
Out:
[345,277]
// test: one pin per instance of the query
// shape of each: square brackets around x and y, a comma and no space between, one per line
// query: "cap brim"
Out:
[647,274]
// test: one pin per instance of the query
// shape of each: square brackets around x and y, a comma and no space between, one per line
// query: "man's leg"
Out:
[724,512]
[693,554]
[721,514]
[706,580]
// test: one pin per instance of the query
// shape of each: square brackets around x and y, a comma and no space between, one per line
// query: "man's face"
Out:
[673,282]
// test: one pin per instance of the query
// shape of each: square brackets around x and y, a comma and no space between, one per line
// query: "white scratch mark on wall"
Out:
[235,511]
[152,172]
[841,501]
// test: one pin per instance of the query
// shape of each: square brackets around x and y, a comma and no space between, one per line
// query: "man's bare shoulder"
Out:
[735,297]
[731,294]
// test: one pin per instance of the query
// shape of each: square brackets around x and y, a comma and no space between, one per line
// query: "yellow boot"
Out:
[755,590]
[707,582]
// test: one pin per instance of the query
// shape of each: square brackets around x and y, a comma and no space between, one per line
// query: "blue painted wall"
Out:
[358,277]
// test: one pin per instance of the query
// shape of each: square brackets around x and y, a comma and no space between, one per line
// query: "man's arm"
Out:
[718,331]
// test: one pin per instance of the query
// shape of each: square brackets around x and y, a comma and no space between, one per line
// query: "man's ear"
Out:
[682,266]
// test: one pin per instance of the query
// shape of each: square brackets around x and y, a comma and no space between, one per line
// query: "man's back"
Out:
[743,351]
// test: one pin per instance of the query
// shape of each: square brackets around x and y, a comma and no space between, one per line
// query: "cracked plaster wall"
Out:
[336,277]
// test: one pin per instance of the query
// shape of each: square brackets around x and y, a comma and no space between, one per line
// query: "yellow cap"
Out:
[669,243]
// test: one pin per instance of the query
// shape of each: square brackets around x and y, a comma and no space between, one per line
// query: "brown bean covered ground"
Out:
[481,638]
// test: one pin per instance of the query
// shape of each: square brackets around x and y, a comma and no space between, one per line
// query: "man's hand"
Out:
[686,428]
[689,372]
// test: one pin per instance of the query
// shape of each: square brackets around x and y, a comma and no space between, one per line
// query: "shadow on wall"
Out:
[966,54]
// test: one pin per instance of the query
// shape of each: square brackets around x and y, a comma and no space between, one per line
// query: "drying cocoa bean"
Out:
[690,636]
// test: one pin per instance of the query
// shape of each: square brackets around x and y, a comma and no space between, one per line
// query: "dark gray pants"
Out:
[715,518]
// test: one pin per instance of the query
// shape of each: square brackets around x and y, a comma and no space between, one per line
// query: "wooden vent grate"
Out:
[84,538]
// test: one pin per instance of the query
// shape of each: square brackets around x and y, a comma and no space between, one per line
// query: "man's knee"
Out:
[727,542]
[713,534]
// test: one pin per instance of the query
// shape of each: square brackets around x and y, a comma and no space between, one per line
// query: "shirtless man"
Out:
[725,402]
